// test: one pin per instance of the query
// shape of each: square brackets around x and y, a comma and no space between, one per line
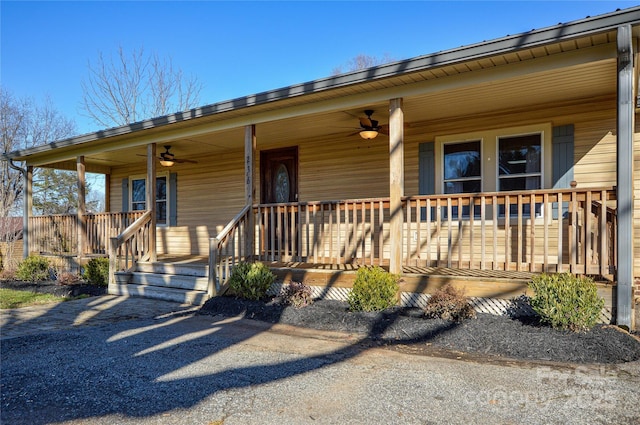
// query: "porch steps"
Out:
[182,283]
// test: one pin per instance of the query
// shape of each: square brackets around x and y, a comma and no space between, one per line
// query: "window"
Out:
[520,162]
[462,171]
[520,167]
[494,159]
[138,201]
[462,167]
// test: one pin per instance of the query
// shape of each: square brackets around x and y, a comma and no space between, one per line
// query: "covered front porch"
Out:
[513,157]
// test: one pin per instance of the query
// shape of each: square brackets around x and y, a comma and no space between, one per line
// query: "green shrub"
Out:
[297,294]
[33,268]
[96,272]
[373,290]
[251,280]
[449,303]
[565,301]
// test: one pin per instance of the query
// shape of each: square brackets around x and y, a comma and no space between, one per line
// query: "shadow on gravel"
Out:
[148,367]
[133,368]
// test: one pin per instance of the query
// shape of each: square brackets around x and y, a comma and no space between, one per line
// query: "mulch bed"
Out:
[55,288]
[487,335]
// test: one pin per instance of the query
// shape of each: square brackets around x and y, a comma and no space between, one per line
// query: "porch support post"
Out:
[396,183]
[624,149]
[249,189]
[82,207]
[28,211]
[107,193]
[150,198]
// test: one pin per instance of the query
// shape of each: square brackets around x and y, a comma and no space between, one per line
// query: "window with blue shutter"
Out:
[134,194]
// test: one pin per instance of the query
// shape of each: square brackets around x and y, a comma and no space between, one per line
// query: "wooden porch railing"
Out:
[538,231]
[227,249]
[130,246]
[58,234]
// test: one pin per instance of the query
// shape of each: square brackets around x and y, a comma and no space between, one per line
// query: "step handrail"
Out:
[125,238]
[217,279]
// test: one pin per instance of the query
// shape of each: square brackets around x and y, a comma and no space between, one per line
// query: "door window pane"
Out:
[282,184]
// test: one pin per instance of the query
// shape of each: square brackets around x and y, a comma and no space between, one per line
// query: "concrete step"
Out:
[156,292]
[178,281]
[198,270]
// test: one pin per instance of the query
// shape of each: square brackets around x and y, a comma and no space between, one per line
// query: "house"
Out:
[494,160]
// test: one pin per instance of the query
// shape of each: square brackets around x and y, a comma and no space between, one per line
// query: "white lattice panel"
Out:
[495,306]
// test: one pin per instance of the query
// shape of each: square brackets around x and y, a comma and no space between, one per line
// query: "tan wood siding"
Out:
[209,194]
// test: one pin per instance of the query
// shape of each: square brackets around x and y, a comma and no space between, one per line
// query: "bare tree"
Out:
[362,61]
[23,124]
[134,86]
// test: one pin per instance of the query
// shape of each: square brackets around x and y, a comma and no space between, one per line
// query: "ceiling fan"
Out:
[369,127]
[167,159]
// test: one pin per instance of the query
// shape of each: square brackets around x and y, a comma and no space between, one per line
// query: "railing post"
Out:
[212,287]
[82,210]
[113,260]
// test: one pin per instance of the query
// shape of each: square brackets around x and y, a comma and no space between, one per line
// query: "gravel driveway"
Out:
[197,369]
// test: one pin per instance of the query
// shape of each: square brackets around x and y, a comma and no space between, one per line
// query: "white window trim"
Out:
[164,174]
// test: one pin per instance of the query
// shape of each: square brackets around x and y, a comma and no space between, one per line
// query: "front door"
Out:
[279,180]
[279,185]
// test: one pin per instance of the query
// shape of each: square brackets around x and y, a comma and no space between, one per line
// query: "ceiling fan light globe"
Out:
[368,134]
[166,163]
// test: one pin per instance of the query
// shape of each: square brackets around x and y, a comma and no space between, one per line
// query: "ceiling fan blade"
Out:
[366,122]
[181,161]
[384,129]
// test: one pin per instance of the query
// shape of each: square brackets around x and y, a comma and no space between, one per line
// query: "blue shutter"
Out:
[426,169]
[562,152]
[125,194]
[173,199]
[426,174]
[562,156]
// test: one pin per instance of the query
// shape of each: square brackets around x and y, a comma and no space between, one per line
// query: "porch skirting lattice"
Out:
[500,307]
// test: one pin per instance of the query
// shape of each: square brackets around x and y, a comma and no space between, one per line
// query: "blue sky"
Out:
[240,48]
